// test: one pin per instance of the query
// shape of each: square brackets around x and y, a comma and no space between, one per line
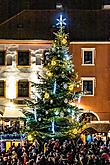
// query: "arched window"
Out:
[87,117]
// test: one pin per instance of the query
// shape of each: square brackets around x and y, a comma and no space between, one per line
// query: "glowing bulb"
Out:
[49,74]
[71,87]
[30,137]
[64,41]
[53,62]
[46,95]
[56,113]
[75,131]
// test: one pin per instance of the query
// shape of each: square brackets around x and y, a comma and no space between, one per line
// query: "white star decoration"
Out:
[61,21]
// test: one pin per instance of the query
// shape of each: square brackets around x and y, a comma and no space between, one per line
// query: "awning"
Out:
[1,116]
[2,109]
[100,126]
[89,130]
[14,113]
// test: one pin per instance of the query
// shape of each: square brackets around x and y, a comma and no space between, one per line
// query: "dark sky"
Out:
[106,1]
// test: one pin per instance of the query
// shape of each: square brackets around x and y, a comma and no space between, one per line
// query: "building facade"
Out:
[91,60]
[20,62]
[26,33]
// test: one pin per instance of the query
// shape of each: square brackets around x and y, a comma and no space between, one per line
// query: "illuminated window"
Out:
[88,56]
[2,88]
[2,57]
[88,86]
[23,88]
[88,117]
[23,58]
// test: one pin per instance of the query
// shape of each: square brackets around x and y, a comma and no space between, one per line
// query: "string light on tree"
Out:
[65,64]
[65,86]
[65,100]
[49,74]
[57,87]
[54,88]
[46,112]
[46,96]
[56,113]
[53,62]
[72,115]
[51,101]
[71,87]
[53,127]
[64,41]
[39,119]
[61,114]
[68,110]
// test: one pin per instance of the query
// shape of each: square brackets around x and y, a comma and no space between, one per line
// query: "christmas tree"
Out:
[54,116]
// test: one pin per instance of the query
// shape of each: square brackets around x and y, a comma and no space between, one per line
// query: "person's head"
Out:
[51,153]
[5,159]
[1,159]
[19,144]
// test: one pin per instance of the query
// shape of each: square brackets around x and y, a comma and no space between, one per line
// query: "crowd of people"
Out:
[15,127]
[56,152]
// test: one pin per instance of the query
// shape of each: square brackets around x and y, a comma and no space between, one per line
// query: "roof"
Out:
[106,2]
[82,25]
[12,7]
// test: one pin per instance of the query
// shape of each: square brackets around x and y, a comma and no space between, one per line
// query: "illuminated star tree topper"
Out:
[61,22]
[61,36]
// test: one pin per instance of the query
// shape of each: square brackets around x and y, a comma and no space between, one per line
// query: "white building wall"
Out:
[11,74]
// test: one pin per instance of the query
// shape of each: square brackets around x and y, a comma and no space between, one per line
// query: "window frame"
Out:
[93,56]
[88,79]
[4,58]
[17,89]
[4,89]
[23,66]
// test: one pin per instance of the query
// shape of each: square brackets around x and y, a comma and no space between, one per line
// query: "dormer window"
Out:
[59,6]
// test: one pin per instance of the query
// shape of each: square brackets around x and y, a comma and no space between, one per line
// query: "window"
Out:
[88,86]
[9,60]
[59,5]
[38,60]
[2,88]
[23,58]
[88,117]
[23,88]
[2,57]
[88,56]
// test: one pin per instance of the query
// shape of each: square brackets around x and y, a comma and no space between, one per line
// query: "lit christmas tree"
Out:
[54,114]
